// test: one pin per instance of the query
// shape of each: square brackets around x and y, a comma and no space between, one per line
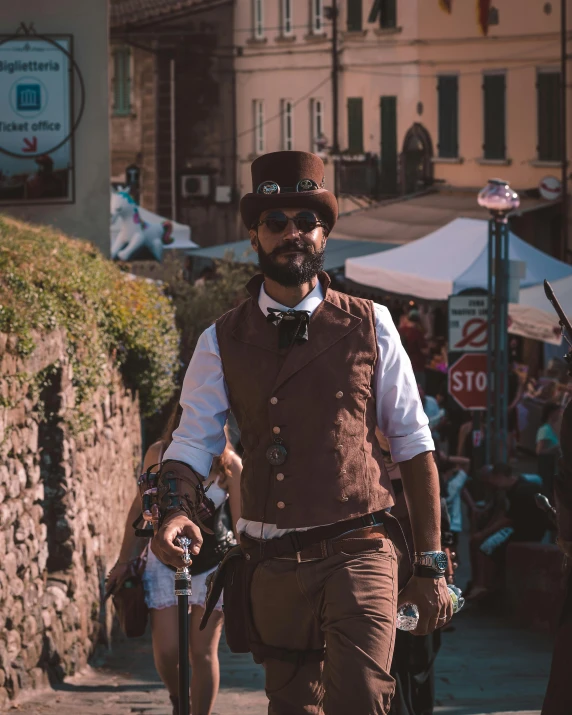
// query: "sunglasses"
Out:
[305,223]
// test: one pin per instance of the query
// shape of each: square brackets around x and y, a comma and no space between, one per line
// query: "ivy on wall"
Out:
[50,281]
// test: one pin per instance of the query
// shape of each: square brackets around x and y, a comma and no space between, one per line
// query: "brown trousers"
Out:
[347,602]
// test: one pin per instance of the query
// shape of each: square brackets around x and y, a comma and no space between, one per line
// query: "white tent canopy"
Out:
[448,261]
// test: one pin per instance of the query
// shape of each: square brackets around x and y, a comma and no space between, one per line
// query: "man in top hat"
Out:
[309,374]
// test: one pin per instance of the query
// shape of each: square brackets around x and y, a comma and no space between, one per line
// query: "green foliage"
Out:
[198,306]
[49,281]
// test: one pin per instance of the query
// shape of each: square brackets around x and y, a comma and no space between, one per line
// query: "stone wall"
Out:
[66,483]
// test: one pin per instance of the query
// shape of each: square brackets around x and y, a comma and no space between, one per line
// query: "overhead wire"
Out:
[252,129]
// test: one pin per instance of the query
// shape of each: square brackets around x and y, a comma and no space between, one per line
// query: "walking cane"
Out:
[183,591]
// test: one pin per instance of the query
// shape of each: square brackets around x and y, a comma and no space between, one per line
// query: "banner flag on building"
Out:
[446,6]
[483,10]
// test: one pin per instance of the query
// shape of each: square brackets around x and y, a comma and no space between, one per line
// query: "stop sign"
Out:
[468,381]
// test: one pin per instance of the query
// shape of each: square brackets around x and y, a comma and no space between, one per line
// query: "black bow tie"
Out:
[292,325]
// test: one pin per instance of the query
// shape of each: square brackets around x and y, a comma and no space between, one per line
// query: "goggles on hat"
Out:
[271,188]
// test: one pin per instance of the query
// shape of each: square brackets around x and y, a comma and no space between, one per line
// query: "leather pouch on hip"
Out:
[231,577]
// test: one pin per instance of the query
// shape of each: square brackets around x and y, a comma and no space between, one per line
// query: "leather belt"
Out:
[320,542]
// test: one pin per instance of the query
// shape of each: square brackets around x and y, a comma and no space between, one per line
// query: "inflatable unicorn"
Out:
[136,237]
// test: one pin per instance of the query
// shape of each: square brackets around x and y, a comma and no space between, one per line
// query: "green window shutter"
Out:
[448,96]
[122,81]
[354,10]
[388,108]
[388,14]
[494,98]
[549,119]
[355,125]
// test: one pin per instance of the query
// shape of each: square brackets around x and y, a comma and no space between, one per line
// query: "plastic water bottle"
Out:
[408,614]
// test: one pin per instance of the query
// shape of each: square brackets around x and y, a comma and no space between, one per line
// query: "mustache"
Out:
[302,247]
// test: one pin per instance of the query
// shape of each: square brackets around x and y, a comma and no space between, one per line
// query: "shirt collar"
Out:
[309,303]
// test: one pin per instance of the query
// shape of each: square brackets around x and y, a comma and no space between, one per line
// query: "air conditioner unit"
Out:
[195,185]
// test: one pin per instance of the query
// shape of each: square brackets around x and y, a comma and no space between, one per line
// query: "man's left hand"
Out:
[432,598]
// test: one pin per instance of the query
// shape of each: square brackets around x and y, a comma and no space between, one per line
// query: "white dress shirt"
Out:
[200,436]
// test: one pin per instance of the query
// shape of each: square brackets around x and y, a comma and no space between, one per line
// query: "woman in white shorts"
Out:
[223,484]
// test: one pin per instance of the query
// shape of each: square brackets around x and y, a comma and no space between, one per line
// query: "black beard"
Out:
[291,274]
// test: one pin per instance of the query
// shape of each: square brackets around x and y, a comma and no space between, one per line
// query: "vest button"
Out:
[280,505]
[343,498]
[273,400]
[276,430]
[247,557]
[339,395]
[280,477]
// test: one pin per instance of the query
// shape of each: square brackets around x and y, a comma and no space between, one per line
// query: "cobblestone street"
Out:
[484,667]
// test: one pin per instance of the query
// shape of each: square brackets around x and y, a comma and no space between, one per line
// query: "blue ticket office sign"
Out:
[36,120]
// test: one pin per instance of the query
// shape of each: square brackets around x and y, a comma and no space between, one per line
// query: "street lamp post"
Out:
[499,199]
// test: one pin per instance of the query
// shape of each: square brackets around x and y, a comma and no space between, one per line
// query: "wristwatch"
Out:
[430,563]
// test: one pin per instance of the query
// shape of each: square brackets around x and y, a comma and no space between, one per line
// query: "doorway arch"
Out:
[417,155]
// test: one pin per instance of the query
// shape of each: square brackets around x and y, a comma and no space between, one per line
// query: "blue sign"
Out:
[28,97]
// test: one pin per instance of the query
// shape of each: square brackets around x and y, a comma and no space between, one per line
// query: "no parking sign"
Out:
[468,323]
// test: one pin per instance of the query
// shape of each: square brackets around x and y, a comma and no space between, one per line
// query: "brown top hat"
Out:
[288,179]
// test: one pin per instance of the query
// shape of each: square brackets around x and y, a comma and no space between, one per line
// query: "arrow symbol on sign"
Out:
[30,145]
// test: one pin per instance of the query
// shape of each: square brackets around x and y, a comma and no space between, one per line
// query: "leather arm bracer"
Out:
[175,488]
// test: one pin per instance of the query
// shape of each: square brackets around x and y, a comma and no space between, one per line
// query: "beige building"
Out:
[424,98]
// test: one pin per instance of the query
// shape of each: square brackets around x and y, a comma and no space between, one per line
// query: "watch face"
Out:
[441,561]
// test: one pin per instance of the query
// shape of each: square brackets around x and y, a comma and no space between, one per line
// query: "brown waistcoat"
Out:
[318,399]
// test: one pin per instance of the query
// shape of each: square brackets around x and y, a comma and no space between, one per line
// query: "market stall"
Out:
[453,259]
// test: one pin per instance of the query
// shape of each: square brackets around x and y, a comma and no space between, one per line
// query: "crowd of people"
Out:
[493,504]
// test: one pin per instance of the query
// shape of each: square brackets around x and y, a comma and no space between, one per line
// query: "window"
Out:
[355,125]
[494,100]
[286,17]
[548,99]
[317,129]
[258,106]
[388,107]
[258,19]
[354,18]
[122,81]
[317,16]
[448,102]
[287,125]
[388,14]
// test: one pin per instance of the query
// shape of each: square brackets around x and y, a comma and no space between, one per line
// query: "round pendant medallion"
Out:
[276,454]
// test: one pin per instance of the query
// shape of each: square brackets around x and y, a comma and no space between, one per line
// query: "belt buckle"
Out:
[298,557]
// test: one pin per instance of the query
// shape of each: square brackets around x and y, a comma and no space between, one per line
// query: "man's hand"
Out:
[163,543]
[432,598]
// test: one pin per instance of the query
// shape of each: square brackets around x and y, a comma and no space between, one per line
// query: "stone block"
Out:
[16,615]
[10,565]
[4,699]
[13,644]
[58,597]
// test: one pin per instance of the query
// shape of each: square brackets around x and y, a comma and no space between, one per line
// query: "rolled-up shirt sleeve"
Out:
[200,435]
[400,414]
